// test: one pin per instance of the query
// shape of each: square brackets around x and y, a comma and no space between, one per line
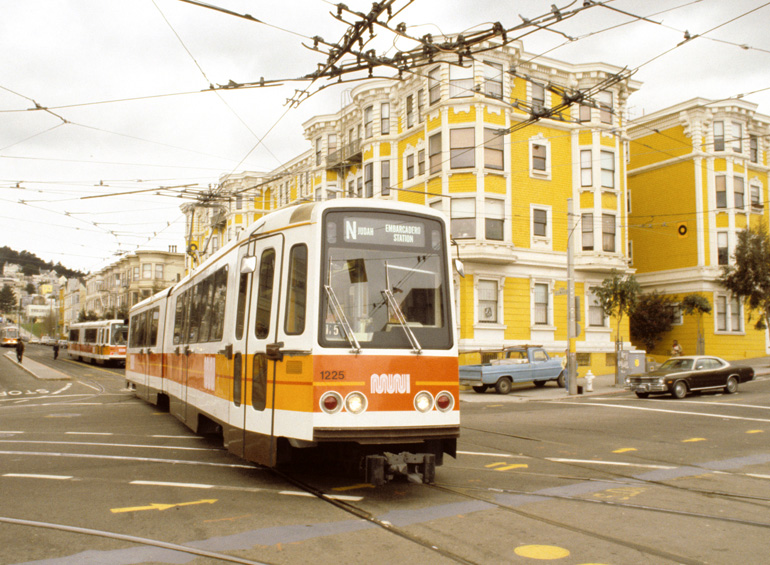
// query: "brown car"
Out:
[680,375]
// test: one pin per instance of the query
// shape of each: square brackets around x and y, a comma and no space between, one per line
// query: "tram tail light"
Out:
[445,401]
[355,403]
[331,403]
[423,401]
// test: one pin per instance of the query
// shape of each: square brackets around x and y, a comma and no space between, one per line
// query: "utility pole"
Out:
[571,317]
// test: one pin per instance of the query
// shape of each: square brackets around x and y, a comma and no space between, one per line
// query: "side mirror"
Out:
[459,267]
[248,265]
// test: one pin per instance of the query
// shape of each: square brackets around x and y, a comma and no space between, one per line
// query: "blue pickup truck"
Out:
[519,364]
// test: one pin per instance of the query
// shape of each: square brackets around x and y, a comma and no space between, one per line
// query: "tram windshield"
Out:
[119,334]
[384,282]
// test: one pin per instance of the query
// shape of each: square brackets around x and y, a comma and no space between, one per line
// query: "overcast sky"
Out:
[123,81]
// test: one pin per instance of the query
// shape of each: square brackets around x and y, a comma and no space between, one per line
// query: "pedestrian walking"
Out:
[55,350]
[19,349]
[676,349]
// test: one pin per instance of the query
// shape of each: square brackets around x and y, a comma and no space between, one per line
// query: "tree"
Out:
[749,277]
[618,296]
[652,317]
[7,299]
[698,305]
[89,316]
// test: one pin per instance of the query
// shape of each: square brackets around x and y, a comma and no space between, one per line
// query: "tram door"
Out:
[258,292]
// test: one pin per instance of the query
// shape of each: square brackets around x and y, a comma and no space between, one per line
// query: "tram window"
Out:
[265,293]
[296,300]
[259,382]
[218,304]
[91,335]
[203,311]
[75,335]
[196,310]
[179,318]
[241,315]
[154,319]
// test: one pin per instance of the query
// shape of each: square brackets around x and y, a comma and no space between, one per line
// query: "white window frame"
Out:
[718,130]
[541,240]
[460,209]
[461,81]
[548,324]
[755,205]
[586,168]
[724,236]
[540,141]
[678,317]
[497,310]
[607,174]
[725,315]
[592,303]
[494,211]
[493,79]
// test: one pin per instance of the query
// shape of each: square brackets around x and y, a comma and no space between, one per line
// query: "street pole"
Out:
[571,333]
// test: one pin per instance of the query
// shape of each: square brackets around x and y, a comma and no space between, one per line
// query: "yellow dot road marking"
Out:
[693,439]
[755,431]
[625,450]
[156,506]
[545,552]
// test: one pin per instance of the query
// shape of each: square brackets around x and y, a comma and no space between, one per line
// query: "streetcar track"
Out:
[604,537]
[368,517]
[749,499]
[132,539]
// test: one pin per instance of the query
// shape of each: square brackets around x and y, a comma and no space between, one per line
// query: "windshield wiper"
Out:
[341,319]
[399,313]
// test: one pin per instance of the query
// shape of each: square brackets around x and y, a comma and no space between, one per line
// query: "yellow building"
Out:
[697,176]
[462,139]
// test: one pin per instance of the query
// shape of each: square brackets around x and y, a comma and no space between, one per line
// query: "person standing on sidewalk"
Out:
[19,349]
[55,350]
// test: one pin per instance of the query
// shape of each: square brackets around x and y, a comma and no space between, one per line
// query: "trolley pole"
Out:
[571,333]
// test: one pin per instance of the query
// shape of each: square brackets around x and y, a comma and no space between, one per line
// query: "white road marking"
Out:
[167,484]
[714,403]
[32,476]
[501,455]
[757,476]
[89,433]
[134,445]
[678,412]
[127,458]
[618,463]
[245,489]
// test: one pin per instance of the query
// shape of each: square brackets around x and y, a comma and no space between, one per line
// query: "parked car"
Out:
[34,340]
[519,364]
[680,375]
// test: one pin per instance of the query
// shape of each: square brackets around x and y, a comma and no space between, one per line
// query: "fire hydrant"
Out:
[589,381]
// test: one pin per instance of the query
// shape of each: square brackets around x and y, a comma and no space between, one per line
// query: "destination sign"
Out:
[365,230]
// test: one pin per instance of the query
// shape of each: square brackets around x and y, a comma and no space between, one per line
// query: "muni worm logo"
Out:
[390,383]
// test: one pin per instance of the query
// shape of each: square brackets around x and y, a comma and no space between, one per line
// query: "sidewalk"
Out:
[37,370]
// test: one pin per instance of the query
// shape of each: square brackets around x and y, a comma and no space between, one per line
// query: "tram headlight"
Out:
[355,402]
[331,403]
[423,401]
[445,401]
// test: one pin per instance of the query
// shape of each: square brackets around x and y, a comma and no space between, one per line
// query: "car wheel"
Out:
[560,380]
[503,386]
[480,388]
[679,390]
[642,394]
[731,386]
[540,384]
